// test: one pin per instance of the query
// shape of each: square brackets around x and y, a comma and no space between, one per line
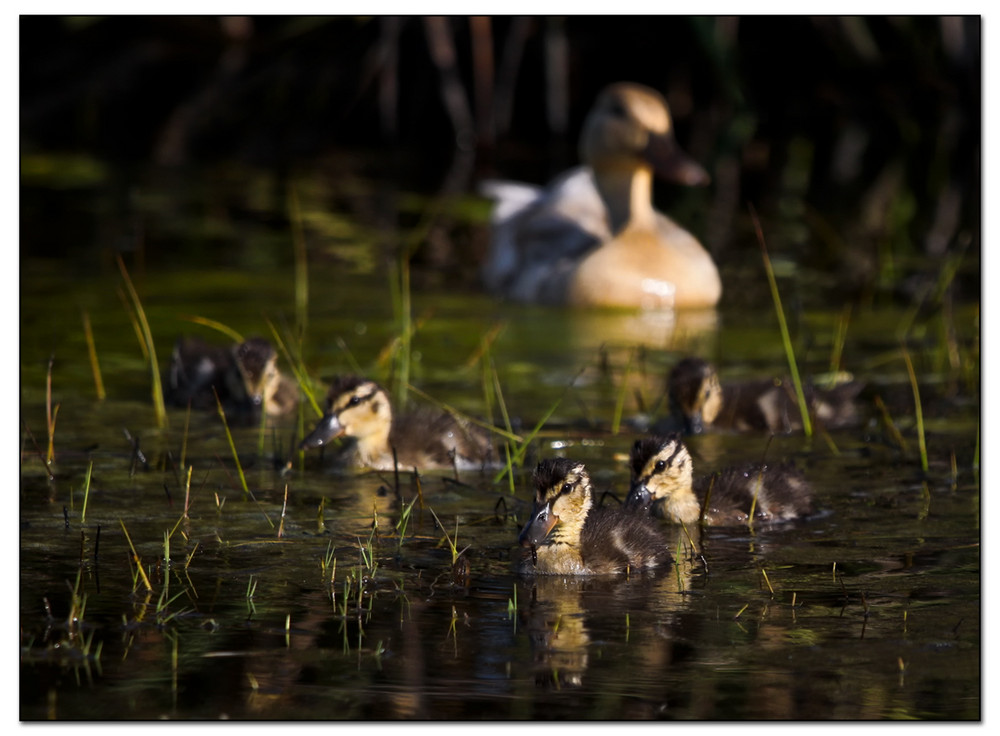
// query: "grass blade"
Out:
[213,324]
[232,444]
[158,406]
[785,337]
[921,439]
[95,367]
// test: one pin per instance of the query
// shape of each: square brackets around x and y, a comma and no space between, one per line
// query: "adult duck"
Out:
[592,237]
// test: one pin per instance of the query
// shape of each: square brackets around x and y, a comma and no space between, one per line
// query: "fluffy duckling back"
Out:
[663,481]
[698,401]
[360,410]
[592,237]
[568,535]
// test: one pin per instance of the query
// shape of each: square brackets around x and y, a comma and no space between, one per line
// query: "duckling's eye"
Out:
[660,465]
[354,401]
[567,487]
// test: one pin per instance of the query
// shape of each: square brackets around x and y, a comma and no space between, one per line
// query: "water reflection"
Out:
[685,330]
[562,612]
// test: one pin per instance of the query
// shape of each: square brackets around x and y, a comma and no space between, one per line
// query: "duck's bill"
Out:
[639,498]
[672,164]
[328,428]
[538,527]
[694,424]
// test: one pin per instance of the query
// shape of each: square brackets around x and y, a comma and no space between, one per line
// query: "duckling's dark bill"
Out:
[639,498]
[328,428]
[538,527]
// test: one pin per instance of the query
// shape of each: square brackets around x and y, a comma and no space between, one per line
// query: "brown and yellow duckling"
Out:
[359,410]
[268,387]
[244,376]
[699,401]
[663,482]
[568,535]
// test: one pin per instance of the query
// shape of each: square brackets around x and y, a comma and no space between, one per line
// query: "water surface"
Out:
[869,611]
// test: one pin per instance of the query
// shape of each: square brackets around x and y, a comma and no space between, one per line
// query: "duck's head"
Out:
[562,500]
[695,393]
[630,126]
[662,470]
[356,407]
[258,366]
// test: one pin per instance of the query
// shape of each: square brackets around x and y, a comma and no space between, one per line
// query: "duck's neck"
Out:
[627,192]
[375,446]
[683,508]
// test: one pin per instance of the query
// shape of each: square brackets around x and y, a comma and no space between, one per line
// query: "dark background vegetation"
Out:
[862,134]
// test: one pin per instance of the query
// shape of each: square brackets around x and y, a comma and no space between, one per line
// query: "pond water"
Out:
[329,595]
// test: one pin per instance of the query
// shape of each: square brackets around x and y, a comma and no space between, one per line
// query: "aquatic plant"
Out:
[786,339]
[159,409]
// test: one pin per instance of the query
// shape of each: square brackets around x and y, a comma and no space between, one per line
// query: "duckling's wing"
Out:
[538,235]
[836,407]
[428,437]
[775,494]
[614,541]
[757,406]
[195,368]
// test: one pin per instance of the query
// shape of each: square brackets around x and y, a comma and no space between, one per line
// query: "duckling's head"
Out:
[258,366]
[356,407]
[562,501]
[630,126]
[662,474]
[695,393]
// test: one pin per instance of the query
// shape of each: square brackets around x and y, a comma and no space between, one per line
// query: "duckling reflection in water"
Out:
[699,401]
[662,481]
[592,237]
[568,535]
[359,409]
[244,376]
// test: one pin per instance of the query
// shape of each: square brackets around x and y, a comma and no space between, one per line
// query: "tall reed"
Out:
[157,388]
[783,325]
[918,408]
[95,367]
[232,444]
[50,414]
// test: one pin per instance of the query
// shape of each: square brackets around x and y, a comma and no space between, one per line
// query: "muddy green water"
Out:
[871,611]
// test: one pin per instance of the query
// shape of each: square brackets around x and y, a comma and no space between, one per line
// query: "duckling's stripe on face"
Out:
[353,400]
[561,472]
[649,448]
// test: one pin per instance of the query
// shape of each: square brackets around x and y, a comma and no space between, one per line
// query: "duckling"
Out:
[568,535]
[266,386]
[699,401]
[244,376]
[592,237]
[662,481]
[359,409]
